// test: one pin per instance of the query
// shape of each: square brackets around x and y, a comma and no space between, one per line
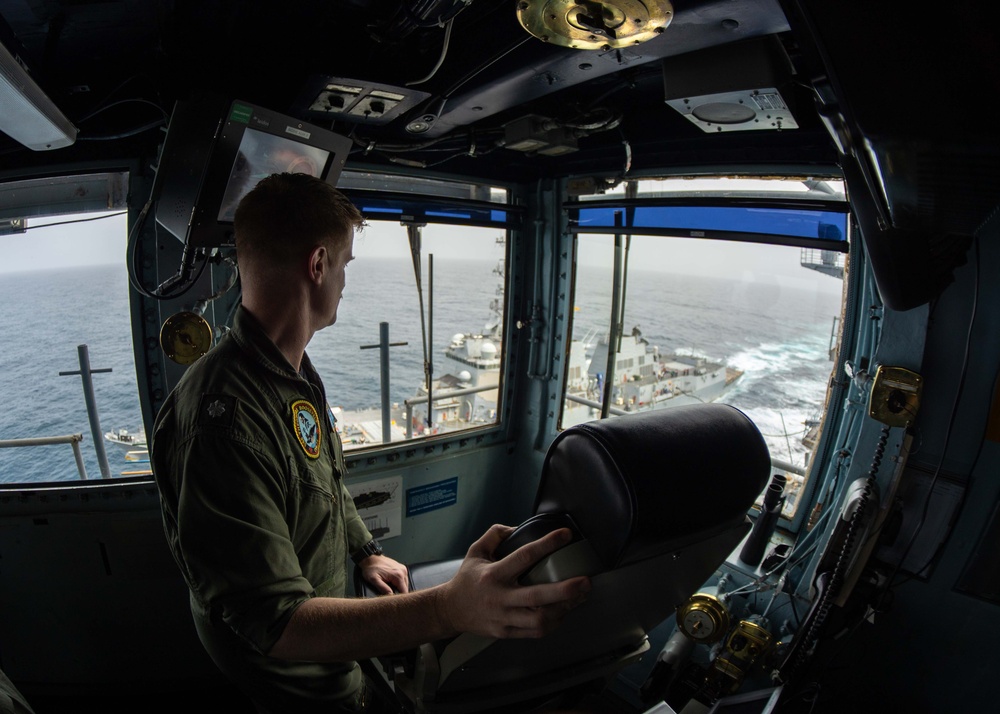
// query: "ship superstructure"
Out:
[644,377]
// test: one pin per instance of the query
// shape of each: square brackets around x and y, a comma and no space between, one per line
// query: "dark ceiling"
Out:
[904,92]
[116,67]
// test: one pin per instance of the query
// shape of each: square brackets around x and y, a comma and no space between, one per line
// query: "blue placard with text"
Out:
[430,497]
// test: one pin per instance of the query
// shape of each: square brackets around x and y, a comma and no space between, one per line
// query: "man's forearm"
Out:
[484,598]
[328,629]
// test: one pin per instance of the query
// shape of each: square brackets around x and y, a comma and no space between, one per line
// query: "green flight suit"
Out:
[256,513]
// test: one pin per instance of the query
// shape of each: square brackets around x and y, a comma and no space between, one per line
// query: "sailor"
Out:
[251,477]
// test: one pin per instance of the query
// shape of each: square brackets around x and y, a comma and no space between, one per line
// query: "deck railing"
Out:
[438,396]
[72,439]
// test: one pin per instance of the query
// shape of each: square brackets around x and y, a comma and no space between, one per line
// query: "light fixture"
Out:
[27,115]
[736,87]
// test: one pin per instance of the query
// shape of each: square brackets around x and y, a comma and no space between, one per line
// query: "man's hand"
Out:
[385,574]
[485,598]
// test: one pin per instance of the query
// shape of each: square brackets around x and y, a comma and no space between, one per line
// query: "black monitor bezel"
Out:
[206,230]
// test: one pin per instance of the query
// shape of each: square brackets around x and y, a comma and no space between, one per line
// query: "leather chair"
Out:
[657,501]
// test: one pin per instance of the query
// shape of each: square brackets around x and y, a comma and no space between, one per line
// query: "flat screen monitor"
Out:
[216,152]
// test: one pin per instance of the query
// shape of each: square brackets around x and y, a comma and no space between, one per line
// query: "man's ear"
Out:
[317,264]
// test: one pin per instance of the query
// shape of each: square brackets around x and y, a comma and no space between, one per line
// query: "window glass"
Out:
[464,331]
[63,284]
[748,324]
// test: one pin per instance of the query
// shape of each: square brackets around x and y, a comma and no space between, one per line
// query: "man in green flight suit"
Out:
[251,477]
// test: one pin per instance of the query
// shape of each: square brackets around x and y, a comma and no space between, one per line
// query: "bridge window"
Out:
[63,285]
[749,319]
[461,293]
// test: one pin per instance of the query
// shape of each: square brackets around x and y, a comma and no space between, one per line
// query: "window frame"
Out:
[628,208]
[378,197]
[845,245]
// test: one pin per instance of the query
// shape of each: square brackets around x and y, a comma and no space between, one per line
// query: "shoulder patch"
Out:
[306,424]
[217,409]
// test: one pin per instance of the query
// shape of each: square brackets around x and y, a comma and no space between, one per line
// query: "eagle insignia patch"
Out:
[305,422]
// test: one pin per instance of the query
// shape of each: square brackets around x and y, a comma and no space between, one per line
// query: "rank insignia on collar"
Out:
[217,409]
[305,422]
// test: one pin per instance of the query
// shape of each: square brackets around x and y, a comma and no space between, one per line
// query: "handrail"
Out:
[594,405]
[73,439]
[788,466]
[413,401]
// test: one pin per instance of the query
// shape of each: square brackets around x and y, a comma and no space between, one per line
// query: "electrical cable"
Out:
[416,17]
[610,122]
[455,154]
[227,284]
[482,68]
[165,118]
[778,589]
[367,145]
[628,84]
[821,608]
[628,152]
[124,134]
[182,282]
[101,110]
[795,612]
[178,280]
[76,220]
[130,252]
[802,558]
[831,489]
[756,583]
[114,91]
[582,126]
[444,52]
[816,527]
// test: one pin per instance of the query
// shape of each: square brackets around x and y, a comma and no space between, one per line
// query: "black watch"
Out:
[370,548]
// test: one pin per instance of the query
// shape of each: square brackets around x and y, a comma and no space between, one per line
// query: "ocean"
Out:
[45,316]
[776,331]
[778,334]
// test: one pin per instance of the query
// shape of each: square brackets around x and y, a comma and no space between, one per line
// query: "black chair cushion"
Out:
[654,477]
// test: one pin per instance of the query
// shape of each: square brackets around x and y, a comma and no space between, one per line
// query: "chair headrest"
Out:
[651,478]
